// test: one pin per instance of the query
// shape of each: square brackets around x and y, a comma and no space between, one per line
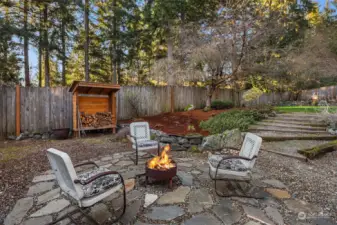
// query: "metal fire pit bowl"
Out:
[161,174]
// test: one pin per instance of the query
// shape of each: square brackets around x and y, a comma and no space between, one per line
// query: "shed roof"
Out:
[83,87]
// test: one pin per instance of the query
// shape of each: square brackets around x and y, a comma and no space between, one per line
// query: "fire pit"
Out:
[161,167]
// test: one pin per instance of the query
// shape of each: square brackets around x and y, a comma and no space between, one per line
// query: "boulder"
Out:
[227,139]
[168,139]
[22,136]
[122,133]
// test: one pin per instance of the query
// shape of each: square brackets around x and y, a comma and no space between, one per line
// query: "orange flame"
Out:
[161,162]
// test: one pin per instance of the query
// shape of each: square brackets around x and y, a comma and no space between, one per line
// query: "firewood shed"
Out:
[94,106]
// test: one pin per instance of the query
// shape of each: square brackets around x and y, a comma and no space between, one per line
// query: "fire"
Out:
[161,162]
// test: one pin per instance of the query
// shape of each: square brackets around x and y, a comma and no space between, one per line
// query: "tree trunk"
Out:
[26,43]
[210,91]
[170,55]
[114,78]
[63,39]
[40,49]
[46,46]
[86,45]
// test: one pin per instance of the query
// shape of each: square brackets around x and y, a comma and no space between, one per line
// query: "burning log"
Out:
[98,119]
[162,162]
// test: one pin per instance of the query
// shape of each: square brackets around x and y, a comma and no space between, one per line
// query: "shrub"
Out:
[231,120]
[252,94]
[218,104]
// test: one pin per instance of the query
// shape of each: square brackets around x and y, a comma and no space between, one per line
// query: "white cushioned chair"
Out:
[235,168]
[86,188]
[140,137]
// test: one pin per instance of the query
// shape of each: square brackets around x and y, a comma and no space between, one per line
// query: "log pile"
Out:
[99,119]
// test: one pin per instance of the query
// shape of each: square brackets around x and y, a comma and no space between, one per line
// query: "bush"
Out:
[231,120]
[218,104]
[252,94]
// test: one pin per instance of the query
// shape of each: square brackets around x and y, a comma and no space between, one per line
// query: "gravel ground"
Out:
[21,161]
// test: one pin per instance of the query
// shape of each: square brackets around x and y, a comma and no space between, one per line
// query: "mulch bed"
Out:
[17,173]
[177,123]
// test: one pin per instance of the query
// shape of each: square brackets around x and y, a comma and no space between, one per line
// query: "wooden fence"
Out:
[43,109]
[323,93]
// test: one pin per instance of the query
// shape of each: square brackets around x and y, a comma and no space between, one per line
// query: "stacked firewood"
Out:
[98,119]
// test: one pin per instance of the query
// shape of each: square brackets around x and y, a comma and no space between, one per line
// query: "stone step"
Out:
[284,136]
[301,119]
[284,130]
[286,125]
[287,121]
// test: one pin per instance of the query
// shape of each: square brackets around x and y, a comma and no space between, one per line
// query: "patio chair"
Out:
[140,138]
[87,188]
[236,168]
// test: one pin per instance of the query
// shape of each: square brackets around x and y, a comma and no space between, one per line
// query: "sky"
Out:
[33,54]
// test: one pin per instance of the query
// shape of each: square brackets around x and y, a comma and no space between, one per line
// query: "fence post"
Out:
[17,110]
[172,98]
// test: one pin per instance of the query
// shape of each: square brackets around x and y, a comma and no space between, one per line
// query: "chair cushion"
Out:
[99,185]
[229,164]
[147,143]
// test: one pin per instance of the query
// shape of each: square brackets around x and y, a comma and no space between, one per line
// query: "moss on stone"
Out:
[319,150]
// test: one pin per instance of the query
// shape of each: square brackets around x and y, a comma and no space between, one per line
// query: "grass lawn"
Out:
[305,109]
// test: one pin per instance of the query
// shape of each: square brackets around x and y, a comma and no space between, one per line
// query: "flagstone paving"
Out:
[192,201]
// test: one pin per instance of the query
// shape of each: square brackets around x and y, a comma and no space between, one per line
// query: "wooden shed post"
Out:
[75,113]
[112,108]
[17,110]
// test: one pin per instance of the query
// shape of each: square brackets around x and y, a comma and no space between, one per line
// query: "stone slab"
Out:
[39,188]
[298,206]
[226,213]
[52,207]
[198,199]
[39,220]
[41,178]
[19,211]
[150,199]
[165,213]
[50,195]
[185,178]
[100,213]
[274,215]
[275,183]
[278,193]
[131,212]
[124,163]
[176,196]
[184,164]
[129,185]
[257,214]
[135,194]
[202,219]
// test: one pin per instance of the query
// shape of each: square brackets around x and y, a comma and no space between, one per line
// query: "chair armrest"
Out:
[238,157]
[88,181]
[86,163]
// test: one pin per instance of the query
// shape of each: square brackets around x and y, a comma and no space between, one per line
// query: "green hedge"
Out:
[240,119]
[218,104]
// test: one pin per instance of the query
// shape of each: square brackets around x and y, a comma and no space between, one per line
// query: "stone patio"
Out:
[192,201]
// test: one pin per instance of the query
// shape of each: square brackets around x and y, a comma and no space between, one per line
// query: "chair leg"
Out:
[136,155]
[228,195]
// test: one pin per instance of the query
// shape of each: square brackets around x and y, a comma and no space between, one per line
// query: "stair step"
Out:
[286,130]
[282,136]
[287,121]
[291,126]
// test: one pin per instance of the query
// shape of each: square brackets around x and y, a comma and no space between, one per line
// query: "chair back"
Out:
[141,130]
[250,147]
[65,173]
